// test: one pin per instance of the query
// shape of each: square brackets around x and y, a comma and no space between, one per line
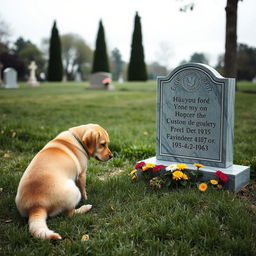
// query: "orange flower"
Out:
[198,165]
[185,176]
[202,187]
[148,166]
[177,175]
[214,182]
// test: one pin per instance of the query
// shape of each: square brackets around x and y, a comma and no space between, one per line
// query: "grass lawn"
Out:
[127,218]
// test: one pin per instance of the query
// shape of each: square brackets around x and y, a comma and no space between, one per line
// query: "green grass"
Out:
[247,87]
[127,218]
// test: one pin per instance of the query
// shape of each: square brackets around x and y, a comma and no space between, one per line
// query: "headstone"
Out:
[65,78]
[10,78]
[96,81]
[121,79]
[78,77]
[32,81]
[195,122]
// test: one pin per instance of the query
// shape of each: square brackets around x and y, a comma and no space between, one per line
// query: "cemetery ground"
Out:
[127,218]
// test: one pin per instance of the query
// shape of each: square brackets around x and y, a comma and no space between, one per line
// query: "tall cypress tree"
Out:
[55,67]
[100,58]
[137,67]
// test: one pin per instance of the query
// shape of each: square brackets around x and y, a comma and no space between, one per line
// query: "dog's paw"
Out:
[84,208]
[54,236]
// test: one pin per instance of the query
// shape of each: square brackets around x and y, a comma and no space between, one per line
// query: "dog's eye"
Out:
[103,145]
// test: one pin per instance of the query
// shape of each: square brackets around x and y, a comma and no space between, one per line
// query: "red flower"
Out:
[222,176]
[139,165]
[158,168]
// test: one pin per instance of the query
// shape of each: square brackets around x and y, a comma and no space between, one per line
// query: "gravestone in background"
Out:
[10,78]
[32,81]
[195,122]
[96,81]
[78,77]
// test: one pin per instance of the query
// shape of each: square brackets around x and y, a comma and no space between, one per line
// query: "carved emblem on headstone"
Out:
[191,81]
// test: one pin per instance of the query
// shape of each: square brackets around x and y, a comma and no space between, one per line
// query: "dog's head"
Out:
[95,139]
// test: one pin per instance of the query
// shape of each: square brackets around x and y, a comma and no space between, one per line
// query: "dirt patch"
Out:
[110,174]
[248,193]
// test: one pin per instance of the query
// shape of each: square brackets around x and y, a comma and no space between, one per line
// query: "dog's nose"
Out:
[110,156]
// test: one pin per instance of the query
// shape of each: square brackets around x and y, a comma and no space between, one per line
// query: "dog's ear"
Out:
[89,140]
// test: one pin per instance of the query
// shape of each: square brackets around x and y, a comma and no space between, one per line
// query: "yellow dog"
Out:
[55,180]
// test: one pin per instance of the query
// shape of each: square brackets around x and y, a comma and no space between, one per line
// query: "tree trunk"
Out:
[230,69]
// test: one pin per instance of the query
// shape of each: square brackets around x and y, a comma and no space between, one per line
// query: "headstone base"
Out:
[100,87]
[32,83]
[10,86]
[239,175]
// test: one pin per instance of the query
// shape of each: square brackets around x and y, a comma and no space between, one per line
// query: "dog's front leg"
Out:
[81,183]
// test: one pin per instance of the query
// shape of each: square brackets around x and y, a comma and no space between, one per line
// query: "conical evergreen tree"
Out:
[100,58]
[55,67]
[137,67]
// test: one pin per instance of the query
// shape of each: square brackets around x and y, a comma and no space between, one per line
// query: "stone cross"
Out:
[32,81]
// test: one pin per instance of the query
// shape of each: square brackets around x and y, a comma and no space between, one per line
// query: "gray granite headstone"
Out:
[195,122]
[195,113]
[78,77]
[10,78]
[96,81]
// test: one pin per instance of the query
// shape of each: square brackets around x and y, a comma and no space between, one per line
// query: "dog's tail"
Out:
[38,227]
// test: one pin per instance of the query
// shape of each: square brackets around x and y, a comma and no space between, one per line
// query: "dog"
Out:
[55,180]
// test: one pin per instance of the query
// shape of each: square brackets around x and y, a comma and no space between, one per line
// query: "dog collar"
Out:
[80,142]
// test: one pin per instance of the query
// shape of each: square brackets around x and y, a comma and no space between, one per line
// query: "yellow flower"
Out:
[198,165]
[202,187]
[214,182]
[148,166]
[185,176]
[177,175]
[134,177]
[133,171]
[181,166]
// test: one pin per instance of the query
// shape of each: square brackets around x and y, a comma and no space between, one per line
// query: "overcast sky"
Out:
[164,27]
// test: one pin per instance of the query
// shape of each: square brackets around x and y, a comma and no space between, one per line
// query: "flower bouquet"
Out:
[175,175]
